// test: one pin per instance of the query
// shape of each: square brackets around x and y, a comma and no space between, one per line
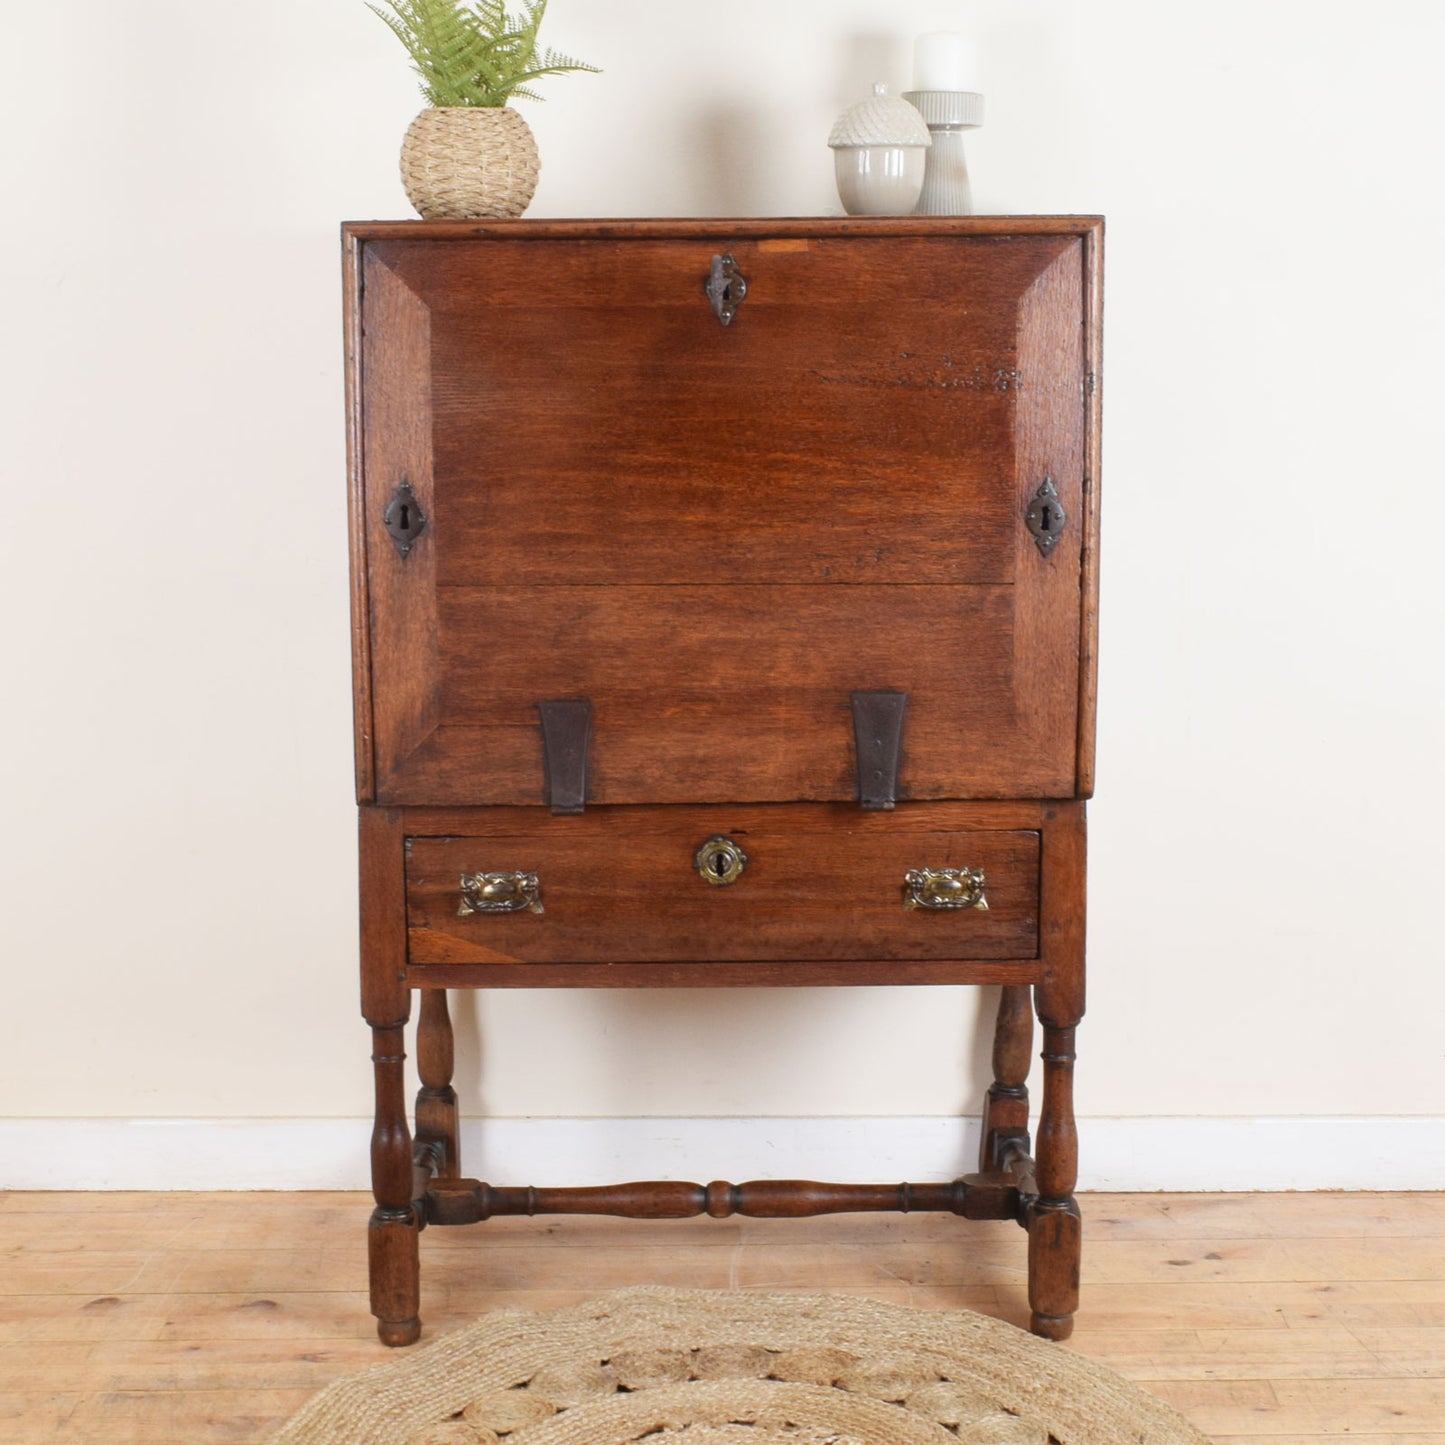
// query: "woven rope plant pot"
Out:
[469,163]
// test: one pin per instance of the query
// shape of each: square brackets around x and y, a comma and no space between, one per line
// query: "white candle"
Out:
[944,60]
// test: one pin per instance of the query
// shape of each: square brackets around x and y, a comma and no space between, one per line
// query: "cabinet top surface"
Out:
[747,226]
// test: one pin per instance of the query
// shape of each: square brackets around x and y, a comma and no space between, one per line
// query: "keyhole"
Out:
[1046,518]
[719,861]
[404,519]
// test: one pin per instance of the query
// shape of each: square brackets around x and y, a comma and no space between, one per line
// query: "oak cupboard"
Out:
[724,614]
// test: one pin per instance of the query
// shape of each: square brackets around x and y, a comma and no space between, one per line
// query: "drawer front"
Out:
[716,534]
[809,892]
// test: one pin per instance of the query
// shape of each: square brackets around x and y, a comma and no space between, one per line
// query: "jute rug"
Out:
[702,1367]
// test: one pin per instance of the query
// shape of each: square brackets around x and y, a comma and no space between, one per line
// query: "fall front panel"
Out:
[716,533]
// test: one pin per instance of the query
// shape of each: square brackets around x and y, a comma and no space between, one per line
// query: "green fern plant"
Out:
[472,52]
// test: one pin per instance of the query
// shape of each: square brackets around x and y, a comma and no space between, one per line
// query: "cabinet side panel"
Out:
[1093,283]
[351,248]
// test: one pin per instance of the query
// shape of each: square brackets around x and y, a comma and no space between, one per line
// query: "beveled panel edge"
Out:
[399,591]
[504,820]
[1052,449]
[362,716]
[746,227]
[445,795]
[1093,262]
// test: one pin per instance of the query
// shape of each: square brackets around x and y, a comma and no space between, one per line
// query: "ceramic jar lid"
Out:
[881,120]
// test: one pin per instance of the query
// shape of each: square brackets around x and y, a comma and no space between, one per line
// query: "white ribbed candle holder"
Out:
[947,114]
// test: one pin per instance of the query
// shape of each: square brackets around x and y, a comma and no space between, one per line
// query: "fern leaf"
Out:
[555,61]
[392,24]
[491,15]
[473,52]
[539,70]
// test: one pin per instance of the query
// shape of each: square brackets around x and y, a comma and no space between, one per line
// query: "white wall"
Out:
[178,852]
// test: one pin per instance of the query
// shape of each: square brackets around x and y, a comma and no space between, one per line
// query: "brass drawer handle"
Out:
[944,888]
[500,893]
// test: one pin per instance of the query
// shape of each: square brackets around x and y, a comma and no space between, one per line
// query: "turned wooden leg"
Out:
[1006,1113]
[436,1100]
[1055,1233]
[392,1238]
[386,1006]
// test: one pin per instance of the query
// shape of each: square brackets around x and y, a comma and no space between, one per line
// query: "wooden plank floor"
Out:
[1280,1319]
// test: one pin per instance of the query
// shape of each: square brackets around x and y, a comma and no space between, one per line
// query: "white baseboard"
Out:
[1172,1154]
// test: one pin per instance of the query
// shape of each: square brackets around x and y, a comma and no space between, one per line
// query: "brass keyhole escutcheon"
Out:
[720,861]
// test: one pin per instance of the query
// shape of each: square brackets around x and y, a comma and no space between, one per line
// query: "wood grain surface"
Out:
[721,527]
[187,1319]
[836,895]
[712,538]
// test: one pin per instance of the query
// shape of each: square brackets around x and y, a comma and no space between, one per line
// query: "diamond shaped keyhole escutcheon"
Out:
[1046,517]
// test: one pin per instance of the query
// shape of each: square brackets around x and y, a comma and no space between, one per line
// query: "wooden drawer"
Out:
[818,883]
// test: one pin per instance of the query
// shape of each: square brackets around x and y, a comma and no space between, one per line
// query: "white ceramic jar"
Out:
[879,148]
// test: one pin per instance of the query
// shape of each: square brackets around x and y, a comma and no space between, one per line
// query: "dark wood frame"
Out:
[416,1177]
